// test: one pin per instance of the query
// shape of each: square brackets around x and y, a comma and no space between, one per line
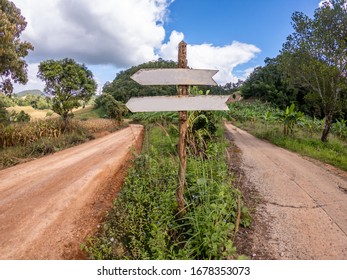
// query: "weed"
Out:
[144,224]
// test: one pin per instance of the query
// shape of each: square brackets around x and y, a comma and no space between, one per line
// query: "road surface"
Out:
[304,203]
[50,205]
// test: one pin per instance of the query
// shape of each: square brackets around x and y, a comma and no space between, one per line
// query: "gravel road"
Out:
[48,206]
[304,203]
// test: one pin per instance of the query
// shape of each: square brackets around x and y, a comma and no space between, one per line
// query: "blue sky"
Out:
[264,23]
[232,36]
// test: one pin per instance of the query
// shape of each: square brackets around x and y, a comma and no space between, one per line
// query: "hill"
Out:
[32,92]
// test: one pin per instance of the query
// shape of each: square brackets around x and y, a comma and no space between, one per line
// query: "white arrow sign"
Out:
[178,103]
[174,76]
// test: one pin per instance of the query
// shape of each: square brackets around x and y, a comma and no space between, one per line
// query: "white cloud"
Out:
[207,56]
[247,72]
[118,32]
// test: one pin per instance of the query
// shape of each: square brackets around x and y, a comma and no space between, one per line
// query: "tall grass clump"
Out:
[144,223]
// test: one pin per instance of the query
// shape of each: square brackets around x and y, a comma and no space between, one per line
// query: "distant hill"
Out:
[32,92]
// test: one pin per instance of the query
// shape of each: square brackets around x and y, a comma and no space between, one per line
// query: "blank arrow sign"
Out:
[178,103]
[173,76]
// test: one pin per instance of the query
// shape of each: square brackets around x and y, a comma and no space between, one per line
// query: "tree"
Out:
[122,88]
[114,109]
[269,84]
[315,56]
[68,84]
[12,50]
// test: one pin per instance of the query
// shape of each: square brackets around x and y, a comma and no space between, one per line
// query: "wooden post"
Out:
[183,126]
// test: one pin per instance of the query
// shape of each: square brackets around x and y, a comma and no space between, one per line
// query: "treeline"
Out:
[311,69]
[39,102]
[270,84]
[122,88]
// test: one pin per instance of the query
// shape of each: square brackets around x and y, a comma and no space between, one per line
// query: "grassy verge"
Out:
[259,119]
[144,223]
[334,152]
[89,113]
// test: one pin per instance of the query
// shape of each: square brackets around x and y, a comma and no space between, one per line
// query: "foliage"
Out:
[144,224]
[114,109]
[21,117]
[13,68]
[4,115]
[35,101]
[268,84]
[340,128]
[161,118]
[263,121]
[201,127]
[122,88]
[68,83]
[315,56]
[289,117]
[6,101]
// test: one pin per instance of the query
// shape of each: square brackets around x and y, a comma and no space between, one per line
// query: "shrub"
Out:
[114,109]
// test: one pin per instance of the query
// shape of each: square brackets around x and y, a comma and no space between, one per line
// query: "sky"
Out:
[232,36]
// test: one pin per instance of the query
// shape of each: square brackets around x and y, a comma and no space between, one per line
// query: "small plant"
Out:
[289,118]
[340,128]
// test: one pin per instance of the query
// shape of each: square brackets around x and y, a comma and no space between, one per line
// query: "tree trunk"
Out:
[327,126]
[66,122]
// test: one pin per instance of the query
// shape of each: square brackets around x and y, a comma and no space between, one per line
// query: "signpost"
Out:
[182,103]
[172,76]
[178,103]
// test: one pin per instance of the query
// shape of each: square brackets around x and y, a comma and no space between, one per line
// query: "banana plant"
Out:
[340,128]
[290,118]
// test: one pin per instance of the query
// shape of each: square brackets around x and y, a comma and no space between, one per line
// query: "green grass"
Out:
[144,223]
[305,139]
[89,113]
[334,152]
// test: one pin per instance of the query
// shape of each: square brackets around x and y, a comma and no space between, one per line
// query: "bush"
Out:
[22,117]
[114,109]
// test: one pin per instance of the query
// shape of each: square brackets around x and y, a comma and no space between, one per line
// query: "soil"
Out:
[298,206]
[49,206]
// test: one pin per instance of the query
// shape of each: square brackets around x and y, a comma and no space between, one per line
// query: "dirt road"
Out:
[48,206]
[304,204]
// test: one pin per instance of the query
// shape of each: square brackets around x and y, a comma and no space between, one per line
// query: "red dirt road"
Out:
[304,203]
[50,205]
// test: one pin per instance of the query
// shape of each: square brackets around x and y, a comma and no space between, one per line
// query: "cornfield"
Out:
[28,133]
[25,134]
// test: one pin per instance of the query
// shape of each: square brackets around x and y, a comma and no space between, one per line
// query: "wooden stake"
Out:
[183,126]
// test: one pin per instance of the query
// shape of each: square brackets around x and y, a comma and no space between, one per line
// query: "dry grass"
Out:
[34,114]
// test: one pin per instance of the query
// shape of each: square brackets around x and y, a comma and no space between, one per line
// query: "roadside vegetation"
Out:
[292,130]
[144,222]
[27,133]
[20,142]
